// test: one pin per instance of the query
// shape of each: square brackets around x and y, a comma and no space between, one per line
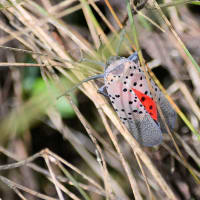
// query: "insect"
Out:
[126,86]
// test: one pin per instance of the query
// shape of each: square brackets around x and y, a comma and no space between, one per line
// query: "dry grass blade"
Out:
[40,47]
[60,195]
[177,37]
[189,150]
[73,181]
[179,159]
[153,93]
[103,167]
[12,184]
[132,180]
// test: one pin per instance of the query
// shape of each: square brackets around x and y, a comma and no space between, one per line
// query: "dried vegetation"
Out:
[92,155]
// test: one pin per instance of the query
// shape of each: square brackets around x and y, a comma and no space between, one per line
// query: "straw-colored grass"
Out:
[111,164]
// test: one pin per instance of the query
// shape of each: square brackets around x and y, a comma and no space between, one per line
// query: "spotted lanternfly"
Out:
[128,90]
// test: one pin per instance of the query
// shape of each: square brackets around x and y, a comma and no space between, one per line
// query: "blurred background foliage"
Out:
[56,44]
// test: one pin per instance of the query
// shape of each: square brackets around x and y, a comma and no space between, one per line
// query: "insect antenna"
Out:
[83,81]
[121,38]
[93,62]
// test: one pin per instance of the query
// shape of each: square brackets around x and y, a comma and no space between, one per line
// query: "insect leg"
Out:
[101,91]
[79,84]
[120,41]
[92,61]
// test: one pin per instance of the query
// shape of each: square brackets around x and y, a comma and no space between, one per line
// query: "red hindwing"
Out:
[148,103]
